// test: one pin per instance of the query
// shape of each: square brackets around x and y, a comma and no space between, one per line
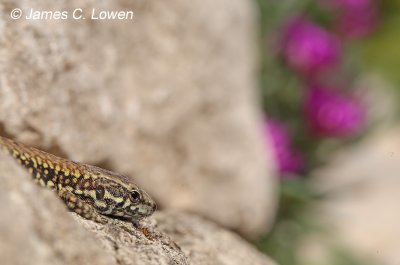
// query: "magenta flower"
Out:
[287,159]
[332,113]
[309,48]
[355,18]
[357,22]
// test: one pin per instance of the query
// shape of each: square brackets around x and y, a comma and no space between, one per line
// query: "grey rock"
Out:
[206,243]
[168,98]
[36,228]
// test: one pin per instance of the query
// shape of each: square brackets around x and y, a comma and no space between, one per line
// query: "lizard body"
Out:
[89,191]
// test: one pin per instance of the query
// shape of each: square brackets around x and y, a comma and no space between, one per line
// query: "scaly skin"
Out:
[87,190]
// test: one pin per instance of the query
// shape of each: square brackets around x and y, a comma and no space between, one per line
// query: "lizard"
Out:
[91,192]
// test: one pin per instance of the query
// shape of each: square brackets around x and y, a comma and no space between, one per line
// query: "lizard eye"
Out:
[99,192]
[135,196]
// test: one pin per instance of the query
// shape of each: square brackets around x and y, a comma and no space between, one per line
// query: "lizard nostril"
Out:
[154,207]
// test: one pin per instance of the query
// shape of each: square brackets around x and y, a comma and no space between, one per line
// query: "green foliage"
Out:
[381,52]
[294,220]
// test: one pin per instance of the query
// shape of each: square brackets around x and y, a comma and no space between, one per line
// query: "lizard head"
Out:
[117,196]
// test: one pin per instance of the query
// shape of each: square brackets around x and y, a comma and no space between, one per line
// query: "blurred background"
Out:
[330,90]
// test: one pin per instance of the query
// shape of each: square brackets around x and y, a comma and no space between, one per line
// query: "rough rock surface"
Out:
[206,243]
[36,228]
[167,98]
[363,183]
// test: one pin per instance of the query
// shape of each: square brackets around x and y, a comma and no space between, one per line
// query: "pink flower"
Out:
[332,113]
[287,159]
[355,18]
[309,48]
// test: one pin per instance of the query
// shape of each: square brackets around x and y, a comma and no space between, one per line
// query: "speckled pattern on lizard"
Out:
[89,191]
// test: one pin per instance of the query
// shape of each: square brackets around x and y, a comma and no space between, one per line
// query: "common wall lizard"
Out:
[89,191]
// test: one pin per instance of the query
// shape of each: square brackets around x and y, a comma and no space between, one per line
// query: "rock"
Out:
[36,228]
[167,98]
[207,244]
[363,185]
